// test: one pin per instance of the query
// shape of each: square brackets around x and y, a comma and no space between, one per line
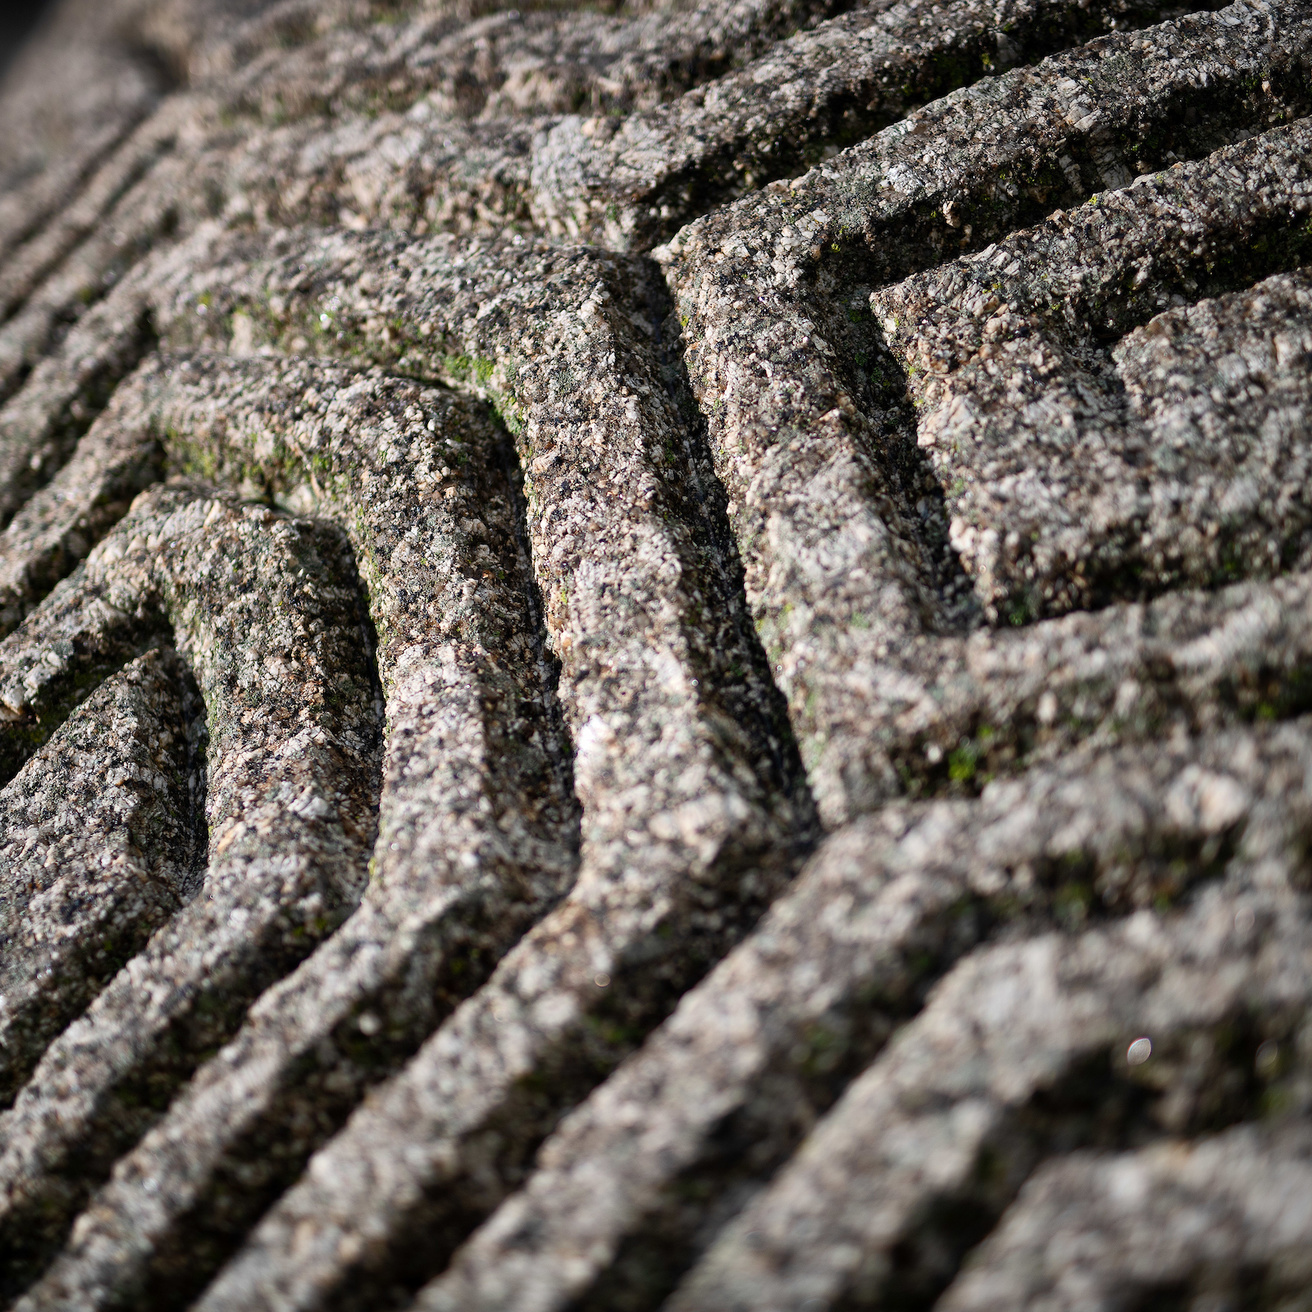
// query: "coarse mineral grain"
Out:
[656,654]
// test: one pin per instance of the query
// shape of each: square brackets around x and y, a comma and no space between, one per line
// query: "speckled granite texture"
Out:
[656,656]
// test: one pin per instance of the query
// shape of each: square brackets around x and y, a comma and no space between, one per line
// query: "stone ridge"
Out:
[656,656]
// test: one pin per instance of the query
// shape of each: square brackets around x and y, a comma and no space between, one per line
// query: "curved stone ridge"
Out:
[1166,1217]
[100,850]
[256,603]
[655,656]
[1065,482]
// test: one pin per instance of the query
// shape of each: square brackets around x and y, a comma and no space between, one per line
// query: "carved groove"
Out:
[655,657]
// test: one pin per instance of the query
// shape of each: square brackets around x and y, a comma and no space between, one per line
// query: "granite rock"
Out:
[656,656]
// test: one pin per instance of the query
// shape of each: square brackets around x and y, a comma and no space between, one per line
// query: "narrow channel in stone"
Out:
[265,610]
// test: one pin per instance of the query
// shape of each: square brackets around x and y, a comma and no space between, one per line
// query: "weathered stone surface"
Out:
[1066,484]
[101,830]
[655,656]
[1166,1216]
[264,609]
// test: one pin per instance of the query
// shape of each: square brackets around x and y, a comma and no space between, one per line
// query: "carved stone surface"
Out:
[656,656]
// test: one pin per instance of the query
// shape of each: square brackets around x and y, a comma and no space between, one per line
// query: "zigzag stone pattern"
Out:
[656,655]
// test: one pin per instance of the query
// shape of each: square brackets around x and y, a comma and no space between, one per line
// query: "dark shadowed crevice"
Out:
[41,454]
[558,744]
[750,693]
[803,1083]
[18,20]
[15,291]
[130,1097]
[198,736]
[384,1026]
[1096,1104]
[1246,1287]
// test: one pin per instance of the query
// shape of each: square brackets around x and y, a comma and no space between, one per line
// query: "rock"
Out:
[655,656]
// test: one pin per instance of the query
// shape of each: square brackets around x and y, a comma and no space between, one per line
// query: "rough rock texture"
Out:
[656,656]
